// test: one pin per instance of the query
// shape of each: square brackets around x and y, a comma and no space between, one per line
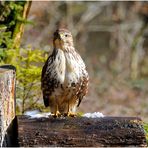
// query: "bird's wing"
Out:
[83,81]
[83,87]
[47,81]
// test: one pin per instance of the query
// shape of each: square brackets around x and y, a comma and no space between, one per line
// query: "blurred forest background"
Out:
[111,37]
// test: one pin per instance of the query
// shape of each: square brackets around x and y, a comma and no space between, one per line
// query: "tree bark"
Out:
[80,132]
[7,103]
[19,27]
[135,53]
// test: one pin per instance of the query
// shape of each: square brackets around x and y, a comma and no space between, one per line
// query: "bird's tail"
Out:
[46,101]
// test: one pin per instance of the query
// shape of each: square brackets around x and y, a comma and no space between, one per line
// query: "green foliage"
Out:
[10,14]
[5,39]
[145,125]
[28,63]
[2,54]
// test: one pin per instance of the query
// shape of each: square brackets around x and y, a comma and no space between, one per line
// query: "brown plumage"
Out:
[64,79]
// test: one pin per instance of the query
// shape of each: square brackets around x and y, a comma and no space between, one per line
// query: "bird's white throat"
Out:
[67,68]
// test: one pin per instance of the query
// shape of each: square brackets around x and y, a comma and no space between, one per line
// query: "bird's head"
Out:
[62,39]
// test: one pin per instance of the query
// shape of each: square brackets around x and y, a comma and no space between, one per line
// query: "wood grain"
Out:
[7,102]
[80,131]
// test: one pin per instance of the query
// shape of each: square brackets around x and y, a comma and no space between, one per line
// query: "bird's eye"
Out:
[66,35]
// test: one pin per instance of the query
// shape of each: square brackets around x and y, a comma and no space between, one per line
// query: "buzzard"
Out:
[64,80]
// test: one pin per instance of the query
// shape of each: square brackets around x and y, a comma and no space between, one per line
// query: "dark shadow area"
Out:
[8,67]
[11,137]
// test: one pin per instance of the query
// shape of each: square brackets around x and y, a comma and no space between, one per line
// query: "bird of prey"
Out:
[64,80]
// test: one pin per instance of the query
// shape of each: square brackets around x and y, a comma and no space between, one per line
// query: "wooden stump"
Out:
[80,132]
[7,103]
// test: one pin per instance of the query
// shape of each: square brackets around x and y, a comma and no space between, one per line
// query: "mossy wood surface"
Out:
[80,131]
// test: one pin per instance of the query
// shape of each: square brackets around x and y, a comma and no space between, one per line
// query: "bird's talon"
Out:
[65,114]
[71,115]
[57,114]
[54,116]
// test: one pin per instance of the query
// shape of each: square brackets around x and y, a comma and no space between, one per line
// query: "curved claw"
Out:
[70,114]
[56,114]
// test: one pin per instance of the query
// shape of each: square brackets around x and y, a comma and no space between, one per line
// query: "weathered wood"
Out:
[80,132]
[7,102]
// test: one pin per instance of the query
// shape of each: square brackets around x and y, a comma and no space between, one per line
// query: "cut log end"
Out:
[80,131]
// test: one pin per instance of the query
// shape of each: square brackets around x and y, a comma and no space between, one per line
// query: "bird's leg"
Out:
[69,112]
[56,112]
[66,113]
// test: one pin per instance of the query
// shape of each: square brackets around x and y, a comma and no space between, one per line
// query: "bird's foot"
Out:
[70,114]
[56,114]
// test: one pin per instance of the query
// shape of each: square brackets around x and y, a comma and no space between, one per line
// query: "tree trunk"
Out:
[19,27]
[135,52]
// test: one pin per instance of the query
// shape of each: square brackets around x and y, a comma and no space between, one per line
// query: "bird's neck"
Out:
[65,48]
[65,57]
[62,45]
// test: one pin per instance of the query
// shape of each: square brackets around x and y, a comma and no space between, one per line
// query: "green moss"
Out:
[80,114]
[145,125]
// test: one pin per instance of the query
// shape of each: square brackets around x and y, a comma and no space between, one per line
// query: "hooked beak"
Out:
[59,36]
[58,40]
